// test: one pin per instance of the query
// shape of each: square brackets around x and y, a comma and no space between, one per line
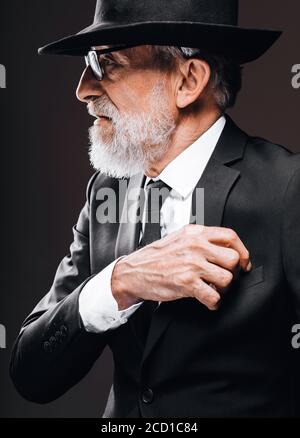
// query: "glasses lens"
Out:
[92,60]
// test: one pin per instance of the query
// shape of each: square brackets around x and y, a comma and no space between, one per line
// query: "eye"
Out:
[107,61]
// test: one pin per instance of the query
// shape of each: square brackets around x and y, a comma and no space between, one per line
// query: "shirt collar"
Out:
[183,173]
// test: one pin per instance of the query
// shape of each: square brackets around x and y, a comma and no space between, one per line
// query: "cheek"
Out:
[133,95]
[125,100]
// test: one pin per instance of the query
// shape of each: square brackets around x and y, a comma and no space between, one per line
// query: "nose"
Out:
[89,87]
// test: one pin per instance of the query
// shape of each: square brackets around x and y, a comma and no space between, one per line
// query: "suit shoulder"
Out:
[276,157]
[273,148]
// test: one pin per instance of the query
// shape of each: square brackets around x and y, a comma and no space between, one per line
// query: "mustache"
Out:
[102,106]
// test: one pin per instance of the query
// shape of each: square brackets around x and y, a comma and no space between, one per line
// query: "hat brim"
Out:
[242,44]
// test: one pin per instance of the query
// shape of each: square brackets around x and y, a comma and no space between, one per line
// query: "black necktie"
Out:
[156,194]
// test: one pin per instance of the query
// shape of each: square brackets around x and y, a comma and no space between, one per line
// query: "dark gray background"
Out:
[45,168]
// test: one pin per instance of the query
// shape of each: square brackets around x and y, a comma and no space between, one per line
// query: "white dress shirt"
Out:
[97,307]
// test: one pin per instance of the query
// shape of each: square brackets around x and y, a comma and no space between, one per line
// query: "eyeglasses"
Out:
[93,60]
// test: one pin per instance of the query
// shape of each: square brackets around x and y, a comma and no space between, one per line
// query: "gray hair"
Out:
[226,73]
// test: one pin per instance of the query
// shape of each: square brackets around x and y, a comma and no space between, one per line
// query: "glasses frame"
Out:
[92,59]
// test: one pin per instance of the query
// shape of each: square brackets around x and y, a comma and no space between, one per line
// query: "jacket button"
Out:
[52,340]
[63,331]
[47,347]
[147,396]
[58,336]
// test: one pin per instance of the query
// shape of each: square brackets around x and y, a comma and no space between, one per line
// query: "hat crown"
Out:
[131,11]
[210,25]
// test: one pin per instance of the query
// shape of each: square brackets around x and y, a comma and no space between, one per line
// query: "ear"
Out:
[194,77]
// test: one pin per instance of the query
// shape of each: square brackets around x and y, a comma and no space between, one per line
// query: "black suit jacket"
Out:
[237,361]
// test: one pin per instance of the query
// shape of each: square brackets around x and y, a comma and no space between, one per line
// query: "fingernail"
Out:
[249,267]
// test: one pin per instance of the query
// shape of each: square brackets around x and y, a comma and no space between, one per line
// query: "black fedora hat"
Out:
[208,24]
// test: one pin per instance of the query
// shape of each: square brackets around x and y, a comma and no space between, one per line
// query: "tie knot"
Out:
[157,193]
[159,184]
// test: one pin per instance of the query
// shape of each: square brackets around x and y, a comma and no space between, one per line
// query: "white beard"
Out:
[137,140]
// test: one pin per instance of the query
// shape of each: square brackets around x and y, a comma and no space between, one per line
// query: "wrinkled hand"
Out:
[196,261]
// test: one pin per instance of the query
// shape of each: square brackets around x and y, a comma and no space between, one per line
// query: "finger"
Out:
[206,295]
[230,239]
[219,277]
[226,258]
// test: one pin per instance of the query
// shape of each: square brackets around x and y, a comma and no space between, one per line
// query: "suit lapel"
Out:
[128,234]
[128,239]
[217,181]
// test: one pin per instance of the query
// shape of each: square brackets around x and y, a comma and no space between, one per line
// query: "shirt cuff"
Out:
[97,306]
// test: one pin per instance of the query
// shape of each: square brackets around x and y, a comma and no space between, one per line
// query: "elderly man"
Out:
[198,316]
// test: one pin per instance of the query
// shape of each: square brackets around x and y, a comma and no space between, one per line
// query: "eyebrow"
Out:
[114,51]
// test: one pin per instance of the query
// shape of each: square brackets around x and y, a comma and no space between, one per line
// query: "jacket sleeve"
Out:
[291,264]
[53,350]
